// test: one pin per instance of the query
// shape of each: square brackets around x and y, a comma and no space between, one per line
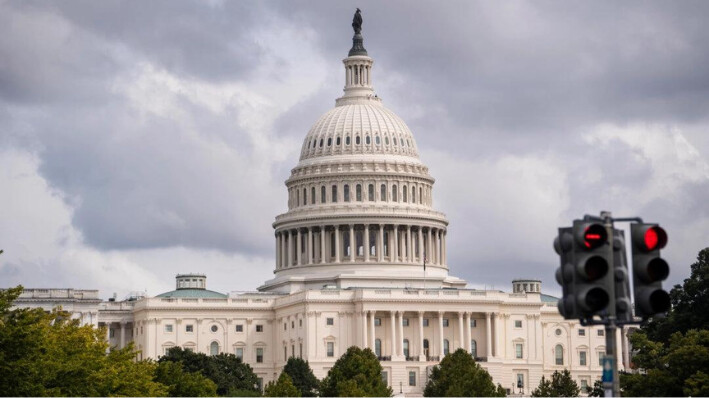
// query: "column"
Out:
[530,324]
[461,344]
[393,334]
[424,253]
[278,250]
[310,245]
[290,248]
[443,251]
[439,257]
[468,332]
[298,251]
[365,241]
[108,336]
[401,335]
[440,335]
[488,336]
[395,253]
[123,335]
[380,249]
[409,246]
[422,357]
[497,336]
[365,325]
[429,246]
[353,249]
[338,249]
[322,244]
[371,330]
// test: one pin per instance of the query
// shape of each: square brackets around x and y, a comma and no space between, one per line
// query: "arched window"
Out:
[413,194]
[297,197]
[329,141]
[312,195]
[474,348]
[425,347]
[368,140]
[446,347]
[323,199]
[357,140]
[305,196]
[559,354]
[370,192]
[401,140]
[338,141]
[393,141]
[347,193]
[378,347]
[383,193]
[394,193]
[420,195]
[347,140]
[214,348]
[334,194]
[358,192]
[406,348]
[386,140]
[404,192]
[321,141]
[377,140]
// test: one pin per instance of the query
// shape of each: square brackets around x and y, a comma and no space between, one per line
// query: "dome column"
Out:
[310,245]
[338,249]
[299,251]
[429,245]
[352,243]
[409,246]
[322,244]
[424,254]
[284,249]
[443,250]
[278,251]
[365,242]
[395,254]
[380,248]
[290,248]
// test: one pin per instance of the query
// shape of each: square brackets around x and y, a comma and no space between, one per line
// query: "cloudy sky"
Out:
[143,139]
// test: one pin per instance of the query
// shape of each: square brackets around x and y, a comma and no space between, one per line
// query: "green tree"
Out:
[282,388]
[302,376]
[597,390]
[357,373]
[560,385]
[231,376]
[49,354]
[184,384]
[458,375]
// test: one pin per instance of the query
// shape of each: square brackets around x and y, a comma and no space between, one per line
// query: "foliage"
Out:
[357,373]
[225,370]
[184,384]
[282,388]
[560,385]
[458,375]
[686,299]
[674,369]
[302,376]
[50,354]
[597,390]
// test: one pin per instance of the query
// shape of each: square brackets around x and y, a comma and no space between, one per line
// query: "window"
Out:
[405,321]
[334,194]
[474,348]
[445,322]
[312,195]
[259,328]
[446,347]
[425,322]
[292,350]
[300,323]
[584,386]
[259,383]
[368,140]
[259,355]
[358,192]
[321,141]
[404,192]
[322,195]
[292,324]
[520,380]
[378,347]
[559,354]
[347,193]
[347,140]
[406,348]
[239,328]
[394,193]
[582,332]
[518,324]
[214,348]
[285,353]
[377,140]
[305,196]
[337,142]
[386,140]
[357,140]
[370,192]
[385,377]
[600,358]
[582,358]
[301,351]
[383,193]
[285,325]
[473,323]
[329,141]
[214,328]
[601,332]
[420,195]
[558,332]
[413,195]
[377,321]
[518,351]
[168,328]
[111,332]
[412,378]
[330,321]
[425,347]
[330,349]
[393,140]
[189,328]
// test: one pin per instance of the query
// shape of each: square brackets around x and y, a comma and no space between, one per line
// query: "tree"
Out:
[357,373]
[458,375]
[560,385]
[693,294]
[50,354]
[302,376]
[282,388]
[231,376]
[184,384]
[597,390]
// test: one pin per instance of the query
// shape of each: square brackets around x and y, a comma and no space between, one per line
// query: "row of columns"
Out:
[396,350]
[123,326]
[357,75]
[292,251]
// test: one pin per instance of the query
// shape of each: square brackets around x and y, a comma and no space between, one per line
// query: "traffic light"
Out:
[623,307]
[649,270]
[593,283]
[564,247]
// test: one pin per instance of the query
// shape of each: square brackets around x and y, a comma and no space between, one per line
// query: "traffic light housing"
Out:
[623,306]
[564,247]
[594,282]
[649,270]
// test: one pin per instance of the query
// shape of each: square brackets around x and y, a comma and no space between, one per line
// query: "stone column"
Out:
[338,249]
[365,325]
[353,249]
[278,250]
[395,252]
[401,335]
[322,244]
[365,241]
[409,246]
[440,335]
[393,334]
[443,251]
[371,329]
[530,324]
[310,245]
[290,248]
[429,246]
[380,249]
[488,336]
[468,332]
[108,336]
[123,335]
[439,256]
[460,329]
[497,336]
[298,251]
[422,356]
[424,254]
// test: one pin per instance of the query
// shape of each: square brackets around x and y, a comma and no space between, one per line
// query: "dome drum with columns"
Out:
[360,202]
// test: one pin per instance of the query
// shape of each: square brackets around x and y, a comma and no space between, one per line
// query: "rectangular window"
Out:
[239,328]
[412,378]
[334,194]
[189,328]
[518,324]
[239,352]
[168,328]
[330,321]
[385,378]
[259,383]
[285,325]
[259,328]
[520,380]
[330,349]
[377,321]
[600,359]
[292,324]
[582,358]
[405,321]
[347,193]
[445,322]
[259,355]
[112,332]
[300,323]
[582,332]
[425,322]
[301,351]
[584,386]
[601,332]
[473,323]
[518,351]
[285,353]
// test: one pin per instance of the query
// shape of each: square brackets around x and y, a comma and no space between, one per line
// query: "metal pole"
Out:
[610,364]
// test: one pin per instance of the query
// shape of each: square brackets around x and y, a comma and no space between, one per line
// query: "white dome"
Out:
[363,127]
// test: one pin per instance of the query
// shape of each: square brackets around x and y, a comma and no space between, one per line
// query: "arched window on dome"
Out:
[347,193]
[420,195]
[368,140]
[305,196]
[297,197]
[334,194]
[404,193]
[383,193]
[377,140]
[358,192]
[370,192]
[357,140]
[347,140]
[329,141]
[413,194]
[321,141]
[338,141]
[386,140]
[394,193]
[312,195]
[402,141]
[323,199]
[393,140]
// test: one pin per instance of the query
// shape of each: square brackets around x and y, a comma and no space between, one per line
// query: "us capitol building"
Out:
[360,259]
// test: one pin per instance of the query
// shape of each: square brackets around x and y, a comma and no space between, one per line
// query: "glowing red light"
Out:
[651,239]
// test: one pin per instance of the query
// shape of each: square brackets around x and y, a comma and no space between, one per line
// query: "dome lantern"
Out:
[358,70]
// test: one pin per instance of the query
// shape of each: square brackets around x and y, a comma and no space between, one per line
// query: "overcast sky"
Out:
[143,139]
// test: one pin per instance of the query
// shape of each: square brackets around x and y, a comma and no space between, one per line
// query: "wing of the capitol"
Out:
[350,255]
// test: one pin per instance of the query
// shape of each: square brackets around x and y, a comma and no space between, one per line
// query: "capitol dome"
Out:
[360,201]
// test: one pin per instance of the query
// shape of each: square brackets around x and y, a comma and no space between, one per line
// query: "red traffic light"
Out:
[655,238]
[594,236]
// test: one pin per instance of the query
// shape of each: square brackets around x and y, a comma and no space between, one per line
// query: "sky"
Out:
[139,140]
